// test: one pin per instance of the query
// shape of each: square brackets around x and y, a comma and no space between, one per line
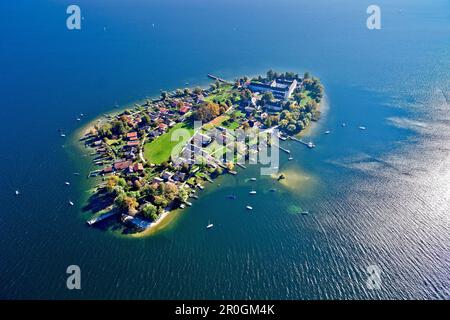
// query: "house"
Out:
[249,109]
[138,167]
[184,109]
[121,165]
[132,135]
[162,126]
[166,175]
[107,170]
[203,139]
[157,180]
[134,143]
[154,133]
[281,89]
[179,176]
[273,107]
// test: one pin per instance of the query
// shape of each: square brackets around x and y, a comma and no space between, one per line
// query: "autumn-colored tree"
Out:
[207,111]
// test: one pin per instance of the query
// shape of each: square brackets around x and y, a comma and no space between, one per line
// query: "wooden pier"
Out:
[308,144]
[218,79]
[281,148]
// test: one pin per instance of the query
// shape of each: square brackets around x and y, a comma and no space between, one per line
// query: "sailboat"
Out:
[249,208]
[71,203]
[209,226]
[252,192]
[17,192]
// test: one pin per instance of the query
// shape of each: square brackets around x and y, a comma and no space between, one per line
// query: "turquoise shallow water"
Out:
[376,197]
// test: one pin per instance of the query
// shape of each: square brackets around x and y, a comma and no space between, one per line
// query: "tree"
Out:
[306,75]
[198,91]
[105,130]
[170,191]
[179,92]
[270,75]
[160,201]
[183,194]
[246,94]
[145,119]
[164,95]
[150,211]
[291,127]
[119,127]
[267,97]
[187,91]
[111,183]
[127,203]
[207,111]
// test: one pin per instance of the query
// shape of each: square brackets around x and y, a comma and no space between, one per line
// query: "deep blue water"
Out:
[377,197]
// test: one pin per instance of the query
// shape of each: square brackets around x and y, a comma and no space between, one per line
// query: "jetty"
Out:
[281,148]
[241,166]
[95,220]
[218,79]
[308,144]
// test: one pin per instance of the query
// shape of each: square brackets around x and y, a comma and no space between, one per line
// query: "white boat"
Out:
[71,203]
[78,119]
[182,206]
[305,212]
[252,192]
[252,179]
[327,132]
[290,158]
[67,183]
[311,145]
[63,135]
[189,204]
[209,226]
[249,208]
[362,128]
[344,124]
[17,192]
[76,173]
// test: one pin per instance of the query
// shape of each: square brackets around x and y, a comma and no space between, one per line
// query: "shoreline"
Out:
[167,216]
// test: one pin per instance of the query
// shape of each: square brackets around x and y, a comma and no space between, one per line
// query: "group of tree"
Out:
[296,118]
[272,75]
[315,88]
[207,111]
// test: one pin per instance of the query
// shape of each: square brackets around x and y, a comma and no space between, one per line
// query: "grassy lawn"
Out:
[233,125]
[159,150]
[216,122]
[221,95]
[303,102]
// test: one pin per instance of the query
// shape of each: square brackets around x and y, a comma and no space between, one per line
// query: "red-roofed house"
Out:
[138,167]
[122,165]
[184,109]
[162,126]
[132,135]
[134,143]
[107,170]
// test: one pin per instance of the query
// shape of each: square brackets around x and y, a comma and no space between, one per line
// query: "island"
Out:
[138,182]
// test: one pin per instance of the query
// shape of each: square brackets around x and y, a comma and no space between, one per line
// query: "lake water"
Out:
[376,197]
